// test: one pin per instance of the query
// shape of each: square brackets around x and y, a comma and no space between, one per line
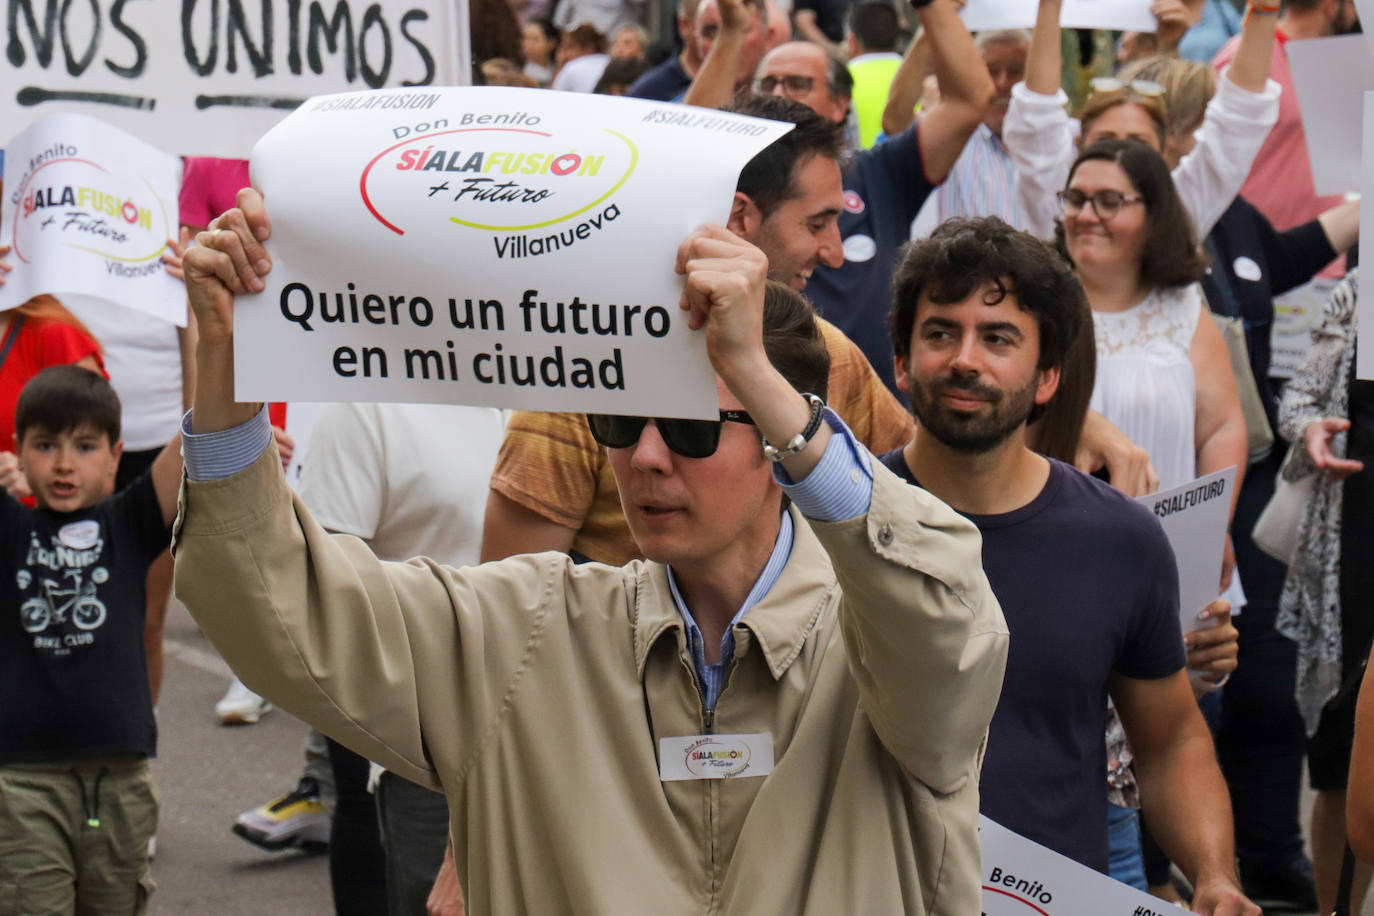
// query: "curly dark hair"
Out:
[964,255]
[1171,256]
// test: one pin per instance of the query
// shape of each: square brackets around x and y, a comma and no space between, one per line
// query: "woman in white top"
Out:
[1163,373]
[1041,138]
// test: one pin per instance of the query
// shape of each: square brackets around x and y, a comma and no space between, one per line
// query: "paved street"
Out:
[207,774]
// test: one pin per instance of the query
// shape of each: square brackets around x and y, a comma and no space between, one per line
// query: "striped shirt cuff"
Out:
[213,456]
[840,486]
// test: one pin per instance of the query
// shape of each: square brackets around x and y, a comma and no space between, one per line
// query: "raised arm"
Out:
[808,29]
[1175,18]
[1037,132]
[1045,60]
[924,634]
[1250,67]
[227,260]
[714,84]
[376,655]
[965,88]
[904,94]
[1234,128]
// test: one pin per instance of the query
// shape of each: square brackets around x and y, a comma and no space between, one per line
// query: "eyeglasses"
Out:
[794,85]
[1106,202]
[689,438]
[1106,85]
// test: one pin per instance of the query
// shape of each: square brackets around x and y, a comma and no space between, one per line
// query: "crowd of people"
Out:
[988,289]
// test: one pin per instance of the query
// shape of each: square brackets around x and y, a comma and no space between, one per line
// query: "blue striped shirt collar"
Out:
[712,677]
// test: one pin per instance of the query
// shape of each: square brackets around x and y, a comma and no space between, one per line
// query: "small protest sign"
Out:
[1331,76]
[500,247]
[208,77]
[1120,15]
[1195,516]
[1023,878]
[88,210]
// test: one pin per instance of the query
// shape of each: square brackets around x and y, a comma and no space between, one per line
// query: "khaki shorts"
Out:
[74,837]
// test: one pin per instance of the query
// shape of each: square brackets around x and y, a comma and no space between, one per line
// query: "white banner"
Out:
[1195,516]
[1331,76]
[89,210]
[1118,15]
[1023,878]
[499,247]
[208,77]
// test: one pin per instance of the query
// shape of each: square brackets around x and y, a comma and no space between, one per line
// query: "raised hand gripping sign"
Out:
[88,210]
[491,246]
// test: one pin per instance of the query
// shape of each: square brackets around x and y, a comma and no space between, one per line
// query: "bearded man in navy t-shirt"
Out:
[982,320]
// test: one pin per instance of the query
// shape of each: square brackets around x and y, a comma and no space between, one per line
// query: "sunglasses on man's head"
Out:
[688,438]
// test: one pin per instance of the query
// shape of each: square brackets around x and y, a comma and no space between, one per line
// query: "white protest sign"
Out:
[1364,306]
[1296,315]
[1023,878]
[979,15]
[1195,516]
[499,247]
[1365,9]
[1331,76]
[205,77]
[1120,15]
[89,210]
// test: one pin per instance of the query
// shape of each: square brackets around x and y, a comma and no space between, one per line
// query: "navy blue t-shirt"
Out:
[73,676]
[663,83]
[883,192]
[1089,588]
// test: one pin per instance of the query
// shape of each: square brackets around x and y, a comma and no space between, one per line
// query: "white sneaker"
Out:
[297,819]
[241,706]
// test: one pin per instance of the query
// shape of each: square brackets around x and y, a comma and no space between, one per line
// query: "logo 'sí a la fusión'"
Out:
[504,173]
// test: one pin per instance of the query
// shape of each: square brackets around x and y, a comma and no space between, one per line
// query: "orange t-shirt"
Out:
[550,464]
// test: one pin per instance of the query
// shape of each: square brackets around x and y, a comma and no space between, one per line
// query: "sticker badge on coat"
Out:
[715,756]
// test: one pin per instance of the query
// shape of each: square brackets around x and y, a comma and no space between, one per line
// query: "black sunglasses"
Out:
[689,438]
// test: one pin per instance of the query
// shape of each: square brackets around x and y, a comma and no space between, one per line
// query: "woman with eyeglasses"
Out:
[1163,374]
[1260,737]
[1040,137]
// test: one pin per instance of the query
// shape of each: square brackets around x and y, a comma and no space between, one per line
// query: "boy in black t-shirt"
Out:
[76,718]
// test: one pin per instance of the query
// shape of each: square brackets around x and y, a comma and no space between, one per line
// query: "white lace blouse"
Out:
[1145,381]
